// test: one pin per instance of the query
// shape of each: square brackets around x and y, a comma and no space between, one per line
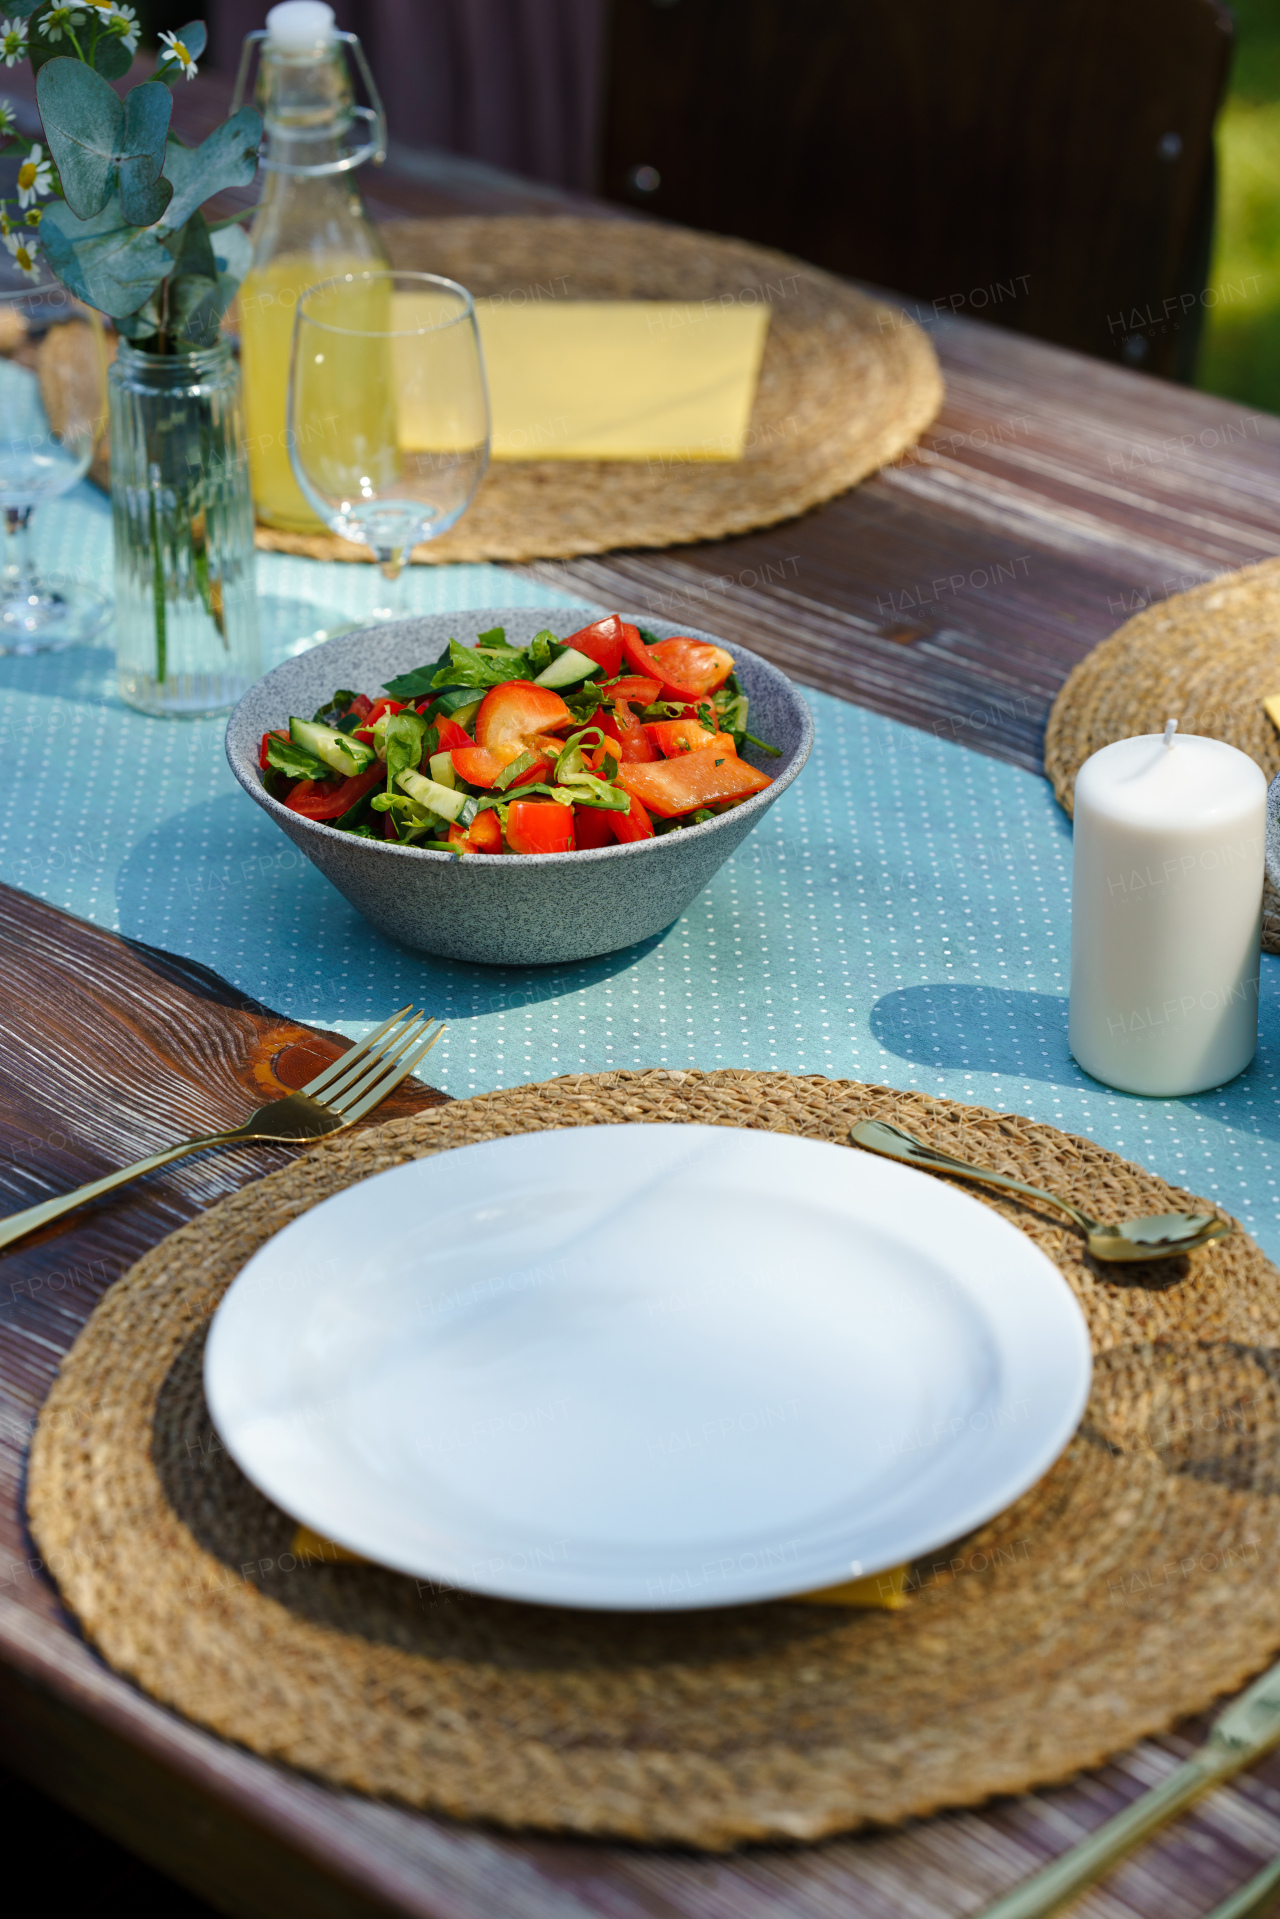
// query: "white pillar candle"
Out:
[1166,913]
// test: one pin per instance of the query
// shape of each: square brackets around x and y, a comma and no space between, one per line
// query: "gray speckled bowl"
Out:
[542,908]
[1273,831]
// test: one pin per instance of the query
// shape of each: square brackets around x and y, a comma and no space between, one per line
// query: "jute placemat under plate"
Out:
[1132,1585]
[846,385]
[1207,658]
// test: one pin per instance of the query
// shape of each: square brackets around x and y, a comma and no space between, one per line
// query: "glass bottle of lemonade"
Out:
[310,225]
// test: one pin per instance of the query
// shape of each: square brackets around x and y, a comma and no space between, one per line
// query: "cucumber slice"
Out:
[444,800]
[566,671]
[344,755]
[442,770]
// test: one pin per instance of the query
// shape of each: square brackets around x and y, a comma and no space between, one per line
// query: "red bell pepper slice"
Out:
[635,825]
[322,800]
[601,642]
[362,706]
[592,826]
[511,714]
[539,826]
[691,780]
[451,735]
[636,654]
[389,829]
[484,835]
[365,730]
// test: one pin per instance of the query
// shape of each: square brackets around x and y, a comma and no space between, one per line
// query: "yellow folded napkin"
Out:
[610,379]
[1272,708]
[885,1590]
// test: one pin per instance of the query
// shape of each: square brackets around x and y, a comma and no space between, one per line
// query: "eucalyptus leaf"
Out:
[233,250]
[228,158]
[104,261]
[111,58]
[22,9]
[144,192]
[192,249]
[83,120]
[194,37]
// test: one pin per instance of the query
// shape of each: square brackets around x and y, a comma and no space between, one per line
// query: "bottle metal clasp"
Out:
[373,116]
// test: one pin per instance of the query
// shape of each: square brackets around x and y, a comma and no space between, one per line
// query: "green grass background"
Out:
[1240,348]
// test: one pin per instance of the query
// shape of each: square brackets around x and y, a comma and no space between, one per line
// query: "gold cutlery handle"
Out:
[1048,1890]
[877,1136]
[19,1224]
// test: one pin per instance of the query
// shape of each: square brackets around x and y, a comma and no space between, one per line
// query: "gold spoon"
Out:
[1133,1239]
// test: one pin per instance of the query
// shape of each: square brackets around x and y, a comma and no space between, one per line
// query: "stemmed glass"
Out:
[42,456]
[388,412]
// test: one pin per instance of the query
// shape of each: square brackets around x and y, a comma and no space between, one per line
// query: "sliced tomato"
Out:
[480,765]
[280,733]
[623,726]
[693,665]
[635,825]
[592,826]
[484,835]
[691,780]
[684,736]
[511,714]
[601,642]
[643,692]
[451,735]
[330,803]
[539,826]
[362,706]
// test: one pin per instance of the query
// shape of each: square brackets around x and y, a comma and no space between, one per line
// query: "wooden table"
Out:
[954,591]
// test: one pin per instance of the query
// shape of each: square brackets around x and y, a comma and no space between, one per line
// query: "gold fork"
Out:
[351,1087]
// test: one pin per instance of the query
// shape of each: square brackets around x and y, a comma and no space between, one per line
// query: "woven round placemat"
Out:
[1134,1583]
[846,385]
[1207,658]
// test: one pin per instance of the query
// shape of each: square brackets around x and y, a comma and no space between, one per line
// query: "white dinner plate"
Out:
[647,1366]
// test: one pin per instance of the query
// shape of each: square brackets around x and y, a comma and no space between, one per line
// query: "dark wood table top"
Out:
[954,591]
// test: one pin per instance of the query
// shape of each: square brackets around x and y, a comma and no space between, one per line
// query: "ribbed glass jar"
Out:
[186,607]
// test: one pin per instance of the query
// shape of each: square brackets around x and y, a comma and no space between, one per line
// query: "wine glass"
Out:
[50,423]
[388,416]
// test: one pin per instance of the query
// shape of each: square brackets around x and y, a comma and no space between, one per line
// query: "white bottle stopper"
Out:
[300,26]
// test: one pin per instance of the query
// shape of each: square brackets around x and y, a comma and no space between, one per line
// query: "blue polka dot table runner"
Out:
[901,916]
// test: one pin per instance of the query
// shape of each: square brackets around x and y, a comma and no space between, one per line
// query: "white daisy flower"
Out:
[124,25]
[13,41]
[6,119]
[60,20]
[179,53]
[23,250]
[34,177]
[32,216]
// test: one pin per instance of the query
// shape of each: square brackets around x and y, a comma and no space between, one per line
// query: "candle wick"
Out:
[1170,728]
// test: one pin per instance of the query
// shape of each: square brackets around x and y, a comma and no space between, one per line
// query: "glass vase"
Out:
[186,607]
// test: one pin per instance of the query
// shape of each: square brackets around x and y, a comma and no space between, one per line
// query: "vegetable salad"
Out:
[608,736]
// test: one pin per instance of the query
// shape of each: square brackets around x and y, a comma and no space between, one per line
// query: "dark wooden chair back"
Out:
[1046,164]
